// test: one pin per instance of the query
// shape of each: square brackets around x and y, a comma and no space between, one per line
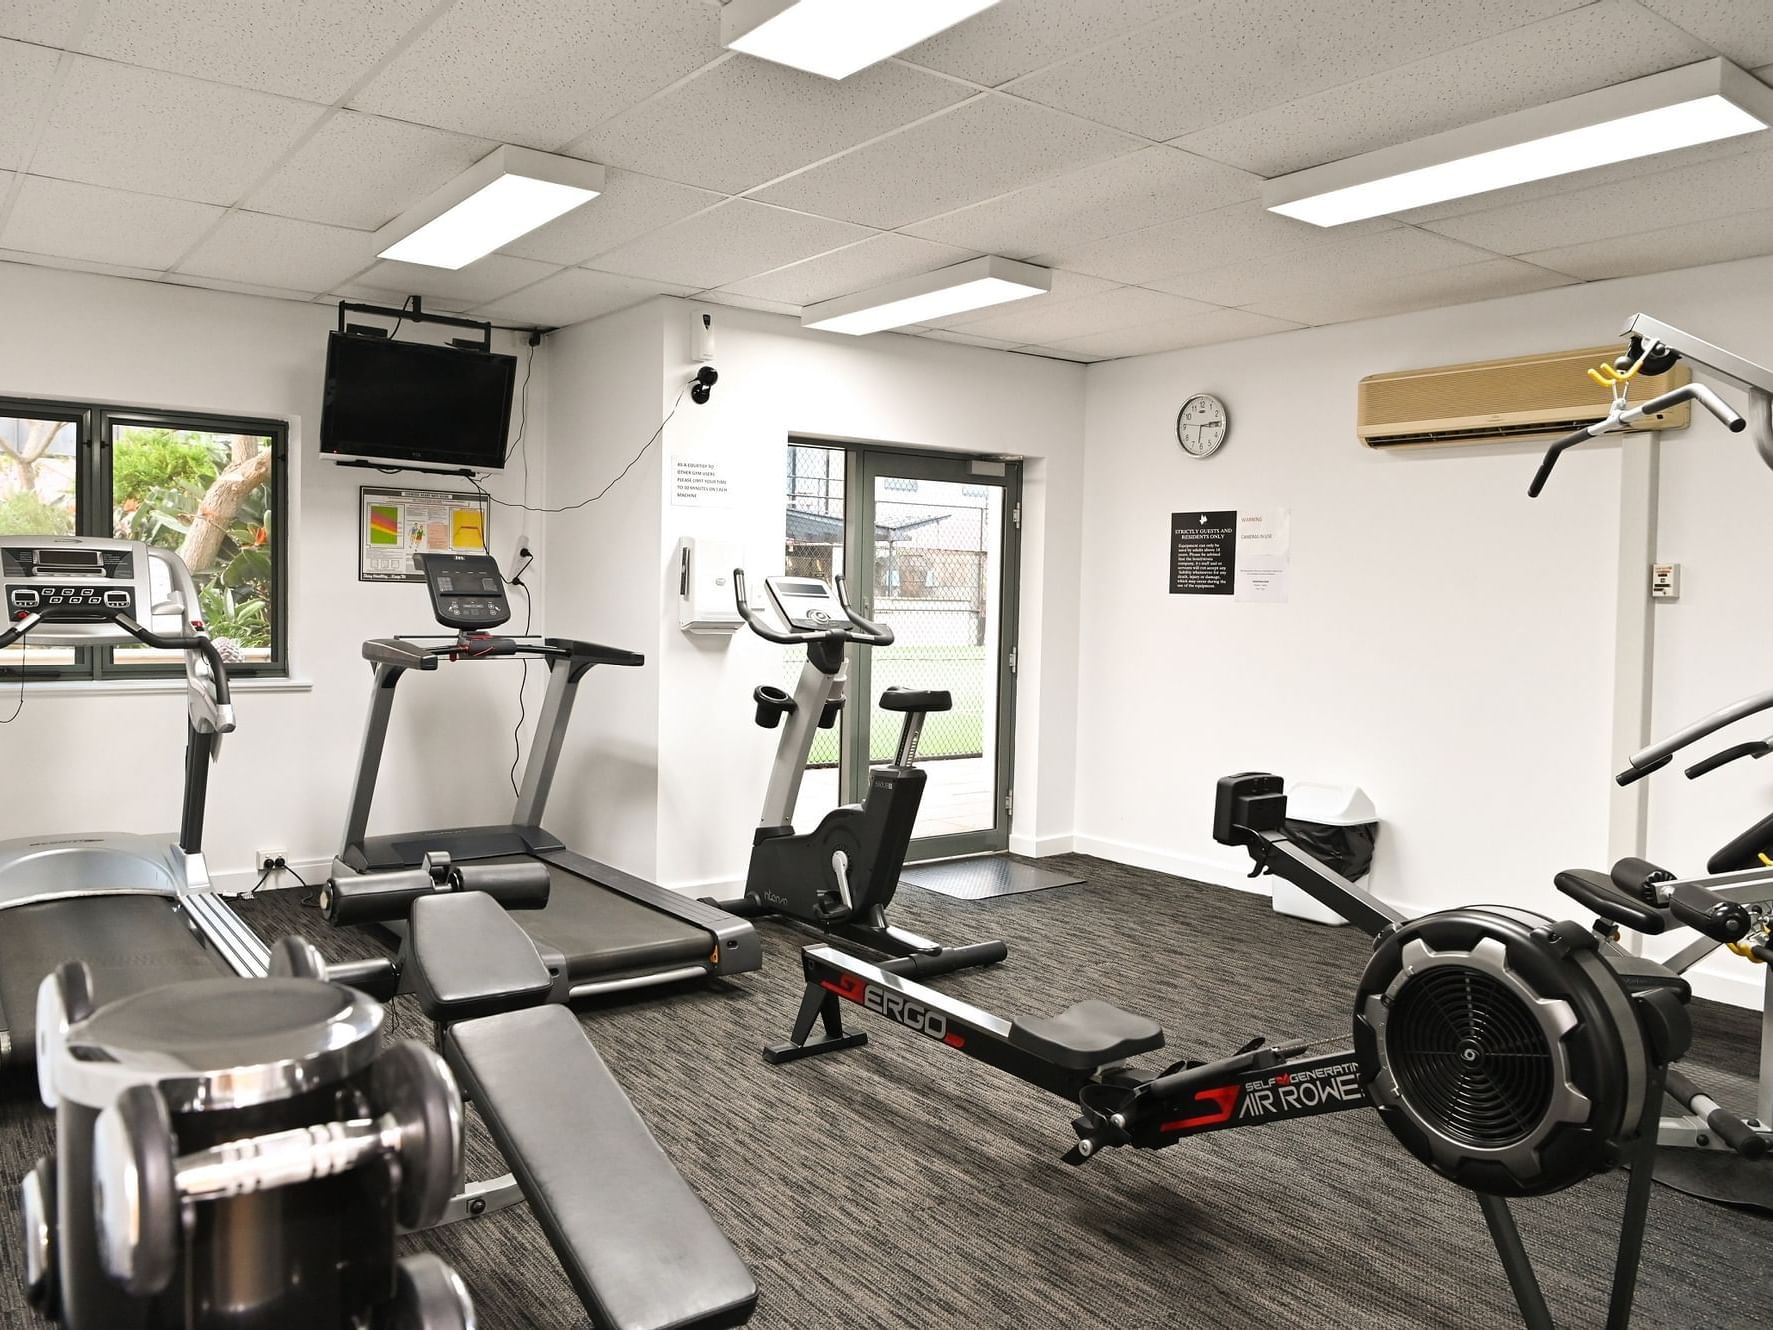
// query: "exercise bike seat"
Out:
[916,699]
[1086,1035]
[467,958]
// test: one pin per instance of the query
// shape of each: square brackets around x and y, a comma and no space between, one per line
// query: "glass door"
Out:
[938,536]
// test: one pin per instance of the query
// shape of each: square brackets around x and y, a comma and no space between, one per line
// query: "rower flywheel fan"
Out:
[1500,1055]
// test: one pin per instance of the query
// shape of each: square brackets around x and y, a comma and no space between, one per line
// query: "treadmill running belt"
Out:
[603,933]
[130,943]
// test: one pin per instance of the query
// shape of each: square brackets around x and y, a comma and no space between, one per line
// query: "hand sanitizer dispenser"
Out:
[705,585]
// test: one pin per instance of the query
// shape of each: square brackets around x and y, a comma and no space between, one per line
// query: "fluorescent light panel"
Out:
[1698,104]
[975,284]
[506,194]
[836,38]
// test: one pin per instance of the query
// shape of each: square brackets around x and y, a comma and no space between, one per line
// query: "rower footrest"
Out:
[637,1245]
[1086,1036]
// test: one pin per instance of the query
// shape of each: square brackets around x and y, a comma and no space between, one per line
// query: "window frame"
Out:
[94,481]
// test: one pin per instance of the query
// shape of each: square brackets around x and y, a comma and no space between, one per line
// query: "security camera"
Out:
[702,386]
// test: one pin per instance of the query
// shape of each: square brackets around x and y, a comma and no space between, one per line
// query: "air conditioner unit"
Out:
[1498,401]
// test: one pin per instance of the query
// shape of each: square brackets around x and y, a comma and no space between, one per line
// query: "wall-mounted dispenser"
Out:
[704,570]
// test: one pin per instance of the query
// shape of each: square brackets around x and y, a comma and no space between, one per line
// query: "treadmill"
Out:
[603,931]
[141,911]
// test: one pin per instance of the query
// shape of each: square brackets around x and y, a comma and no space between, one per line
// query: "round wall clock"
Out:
[1201,425]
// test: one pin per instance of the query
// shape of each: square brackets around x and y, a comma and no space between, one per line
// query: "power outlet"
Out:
[266,860]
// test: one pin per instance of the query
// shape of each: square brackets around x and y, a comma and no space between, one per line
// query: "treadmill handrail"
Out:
[425,653]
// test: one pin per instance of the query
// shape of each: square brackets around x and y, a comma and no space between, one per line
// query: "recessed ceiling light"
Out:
[1677,109]
[975,284]
[508,193]
[837,37]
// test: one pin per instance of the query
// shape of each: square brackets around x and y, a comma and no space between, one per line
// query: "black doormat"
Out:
[981,879]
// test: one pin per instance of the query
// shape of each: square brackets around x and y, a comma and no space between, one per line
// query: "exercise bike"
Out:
[1512,1054]
[841,876]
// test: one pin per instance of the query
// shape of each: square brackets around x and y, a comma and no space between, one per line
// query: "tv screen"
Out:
[413,402]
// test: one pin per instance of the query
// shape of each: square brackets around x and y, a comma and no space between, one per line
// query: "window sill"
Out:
[145,687]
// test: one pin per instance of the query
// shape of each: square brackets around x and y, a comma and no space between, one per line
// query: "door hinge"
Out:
[1016,517]
[1009,804]
[1012,660]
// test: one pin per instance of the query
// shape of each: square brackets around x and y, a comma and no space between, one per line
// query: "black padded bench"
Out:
[1086,1036]
[637,1245]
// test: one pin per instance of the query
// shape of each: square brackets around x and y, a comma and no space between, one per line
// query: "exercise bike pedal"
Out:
[777,1054]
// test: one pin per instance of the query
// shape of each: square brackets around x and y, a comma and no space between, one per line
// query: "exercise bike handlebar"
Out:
[1617,420]
[864,632]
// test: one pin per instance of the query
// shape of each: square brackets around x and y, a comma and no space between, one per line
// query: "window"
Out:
[213,489]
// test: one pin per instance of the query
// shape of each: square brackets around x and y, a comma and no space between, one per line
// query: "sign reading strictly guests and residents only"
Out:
[1242,553]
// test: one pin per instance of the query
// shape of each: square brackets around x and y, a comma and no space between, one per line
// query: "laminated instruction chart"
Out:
[1242,553]
[394,527]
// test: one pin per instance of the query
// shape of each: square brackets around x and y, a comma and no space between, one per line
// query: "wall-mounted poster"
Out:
[394,527]
[1242,553]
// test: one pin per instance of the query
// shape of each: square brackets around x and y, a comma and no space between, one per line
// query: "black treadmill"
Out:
[603,930]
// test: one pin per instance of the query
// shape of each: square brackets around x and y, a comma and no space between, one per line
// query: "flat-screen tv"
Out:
[414,402]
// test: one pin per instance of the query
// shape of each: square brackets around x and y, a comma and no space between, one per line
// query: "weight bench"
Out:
[639,1248]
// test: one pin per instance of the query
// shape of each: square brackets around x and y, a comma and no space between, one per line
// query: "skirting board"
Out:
[1041,847]
[1165,861]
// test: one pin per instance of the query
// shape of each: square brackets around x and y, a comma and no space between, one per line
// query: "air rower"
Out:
[1514,1055]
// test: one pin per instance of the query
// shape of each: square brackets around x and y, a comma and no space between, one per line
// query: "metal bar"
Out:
[1355,904]
[812,694]
[909,734]
[369,759]
[1637,1208]
[546,742]
[283,1158]
[417,314]
[597,987]
[227,934]
[1764,1099]
[1535,1314]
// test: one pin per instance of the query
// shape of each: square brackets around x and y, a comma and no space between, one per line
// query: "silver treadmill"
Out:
[603,930]
[139,910]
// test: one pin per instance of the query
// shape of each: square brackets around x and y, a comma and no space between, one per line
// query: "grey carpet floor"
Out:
[892,1186]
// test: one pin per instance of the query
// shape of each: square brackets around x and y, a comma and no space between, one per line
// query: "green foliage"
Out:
[24,514]
[160,478]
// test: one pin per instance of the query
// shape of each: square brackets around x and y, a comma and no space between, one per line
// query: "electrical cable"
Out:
[529,365]
[582,503]
[23,645]
[404,306]
[523,683]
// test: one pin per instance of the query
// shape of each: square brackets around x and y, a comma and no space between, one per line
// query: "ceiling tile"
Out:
[1740,29]
[1685,193]
[872,262]
[313,50]
[363,171]
[1126,193]
[1044,319]
[745,122]
[79,265]
[1025,35]
[980,149]
[1344,299]
[236,288]
[574,296]
[728,298]
[481,281]
[630,206]
[1053,353]
[1526,67]
[727,243]
[1354,260]
[1213,63]
[1717,240]
[1220,325]
[106,225]
[965,339]
[1244,232]
[543,72]
[276,251]
[47,22]
[27,73]
[158,133]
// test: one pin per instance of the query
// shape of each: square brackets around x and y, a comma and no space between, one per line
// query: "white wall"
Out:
[1448,644]
[704,762]
[284,775]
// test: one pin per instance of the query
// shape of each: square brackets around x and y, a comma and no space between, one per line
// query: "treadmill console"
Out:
[467,590]
[73,580]
[805,603]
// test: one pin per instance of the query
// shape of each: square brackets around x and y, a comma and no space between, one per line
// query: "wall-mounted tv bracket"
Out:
[418,314]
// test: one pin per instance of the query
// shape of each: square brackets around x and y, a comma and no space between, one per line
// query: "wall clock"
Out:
[1201,425]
